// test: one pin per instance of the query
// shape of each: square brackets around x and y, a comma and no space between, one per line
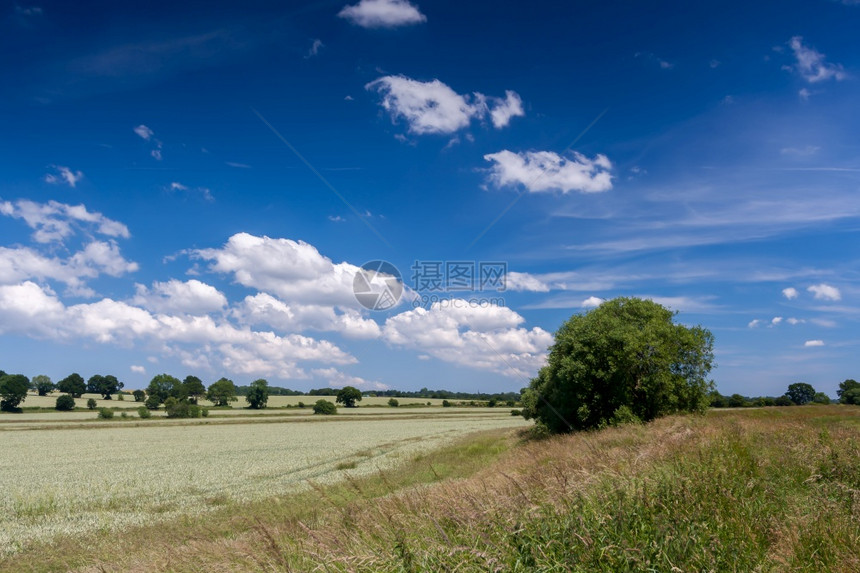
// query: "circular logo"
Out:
[377,285]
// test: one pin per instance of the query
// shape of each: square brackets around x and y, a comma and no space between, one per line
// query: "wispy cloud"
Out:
[148,135]
[64,175]
[315,48]
[548,171]
[811,64]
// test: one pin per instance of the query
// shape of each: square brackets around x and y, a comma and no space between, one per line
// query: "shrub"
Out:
[91,403]
[624,415]
[139,395]
[516,413]
[325,408]
[491,403]
[152,402]
[301,404]
[105,413]
[65,403]
[120,396]
[144,412]
[446,404]
[123,414]
[204,412]
[783,401]
[393,402]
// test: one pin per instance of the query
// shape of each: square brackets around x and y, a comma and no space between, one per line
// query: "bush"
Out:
[144,413]
[783,401]
[123,414]
[325,408]
[301,404]
[91,404]
[446,404]
[120,396]
[65,403]
[393,402]
[139,395]
[491,403]
[204,412]
[624,415]
[152,402]
[516,413]
[105,414]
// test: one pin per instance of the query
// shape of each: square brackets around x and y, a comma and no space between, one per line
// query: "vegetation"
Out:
[222,392]
[104,385]
[91,403]
[13,391]
[348,396]
[139,395]
[193,389]
[325,408]
[258,395]
[626,352]
[72,384]
[65,403]
[105,414]
[393,402]
[800,393]
[42,384]
[849,392]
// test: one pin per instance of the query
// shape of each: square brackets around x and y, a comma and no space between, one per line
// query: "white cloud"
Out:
[813,343]
[54,221]
[811,65]
[316,46]
[138,369]
[337,379]
[825,292]
[548,171]
[64,175]
[174,296]
[776,320]
[794,321]
[504,110]
[481,337]
[336,219]
[203,192]
[525,282]
[790,293]
[434,108]
[144,132]
[804,94]
[754,323]
[383,14]
[592,302]
[156,154]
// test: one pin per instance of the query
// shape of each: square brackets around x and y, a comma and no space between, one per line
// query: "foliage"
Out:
[393,402]
[161,387]
[65,403]
[821,398]
[491,403]
[72,384]
[91,404]
[348,396]
[783,401]
[193,389]
[104,385]
[849,392]
[222,392]
[624,415]
[800,393]
[258,395]
[139,395]
[181,408]
[42,384]
[446,404]
[627,351]
[13,391]
[737,401]
[144,413]
[105,413]
[324,407]
[152,402]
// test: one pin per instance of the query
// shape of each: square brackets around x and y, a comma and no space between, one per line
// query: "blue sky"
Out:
[192,187]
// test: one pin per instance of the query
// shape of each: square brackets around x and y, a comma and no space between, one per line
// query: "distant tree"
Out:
[821,398]
[222,392]
[849,392]
[139,395]
[626,352]
[737,401]
[258,394]
[65,402]
[348,396]
[446,404]
[42,384]
[393,402]
[13,391]
[161,387]
[91,404]
[73,384]
[800,393]
[104,385]
[325,407]
[152,402]
[783,401]
[193,388]
[491,403]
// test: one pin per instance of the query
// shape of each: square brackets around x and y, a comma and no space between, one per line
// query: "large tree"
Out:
[849,392]
[348,396]
[222,392]
[625,356]
[72,384]
[42,384]
[104,385]
[13,391]
[800,393]
[258,394]
[193,389]
[161,387]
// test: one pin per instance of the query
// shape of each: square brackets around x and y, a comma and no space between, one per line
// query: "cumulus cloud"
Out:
[174,296]
[434,108]
[813,343]
[790,293]
[482,337]
[144,132]
[337,379]
[754,323]
[825,292]
[592,302]
[538,171]
[64,175]
[137,369]
[811,64]
[383,14]
[54,221]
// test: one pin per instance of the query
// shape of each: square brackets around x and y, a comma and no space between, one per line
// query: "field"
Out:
[771,489]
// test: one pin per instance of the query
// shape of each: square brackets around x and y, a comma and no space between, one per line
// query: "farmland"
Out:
[66,473]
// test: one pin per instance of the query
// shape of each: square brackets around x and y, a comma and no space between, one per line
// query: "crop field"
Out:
[62,477]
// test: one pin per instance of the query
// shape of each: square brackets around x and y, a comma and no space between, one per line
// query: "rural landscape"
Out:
[404,286]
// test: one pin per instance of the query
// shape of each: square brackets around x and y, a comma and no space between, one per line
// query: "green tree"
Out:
[821,398]
[325,407]
[42,384]
[737,401]
[348,396]
[104,385]
[65,403]
[258,394]
[626,352]
[800,393]
[152,402]
[91,403]
[13,391]
[161,387]
[72,384]
[849,392]
[139,395]
[393,402]
[222,392]
[193,388]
